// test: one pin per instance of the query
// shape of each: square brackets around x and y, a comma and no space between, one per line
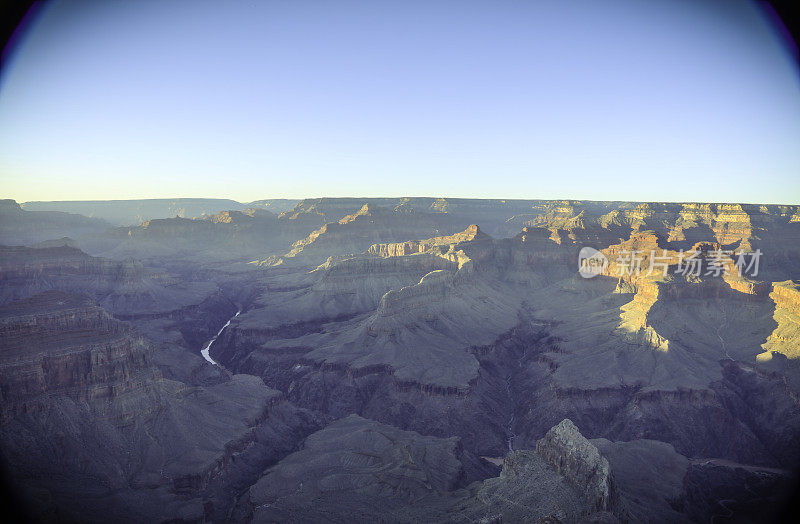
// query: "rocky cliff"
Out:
[358,469]
[578,460]
[91,429]
[60,344]
[165,307]
[356,232]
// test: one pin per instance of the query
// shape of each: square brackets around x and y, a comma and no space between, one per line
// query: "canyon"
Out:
[398,359]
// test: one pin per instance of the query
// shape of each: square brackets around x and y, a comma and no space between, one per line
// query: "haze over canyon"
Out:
[399,359]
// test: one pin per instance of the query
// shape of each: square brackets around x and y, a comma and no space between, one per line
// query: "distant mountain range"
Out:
[134,212]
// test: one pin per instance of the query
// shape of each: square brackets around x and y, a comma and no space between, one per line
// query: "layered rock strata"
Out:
[578,460]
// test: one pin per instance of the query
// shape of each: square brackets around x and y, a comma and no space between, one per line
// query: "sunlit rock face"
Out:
[410,338]
[356,232]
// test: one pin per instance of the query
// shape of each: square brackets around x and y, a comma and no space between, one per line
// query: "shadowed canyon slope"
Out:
[400,359]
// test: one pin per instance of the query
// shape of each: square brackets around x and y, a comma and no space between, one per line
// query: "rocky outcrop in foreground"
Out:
[356,469]
[574,457]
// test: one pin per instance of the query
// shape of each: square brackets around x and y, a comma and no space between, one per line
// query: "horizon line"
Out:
[300,199]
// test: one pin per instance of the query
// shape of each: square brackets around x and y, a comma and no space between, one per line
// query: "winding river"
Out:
[205,350]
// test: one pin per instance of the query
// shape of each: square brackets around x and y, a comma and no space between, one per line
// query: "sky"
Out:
[679,100]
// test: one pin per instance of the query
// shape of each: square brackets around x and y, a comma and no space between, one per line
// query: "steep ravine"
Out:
[494,416]
[484,417]
[207,349]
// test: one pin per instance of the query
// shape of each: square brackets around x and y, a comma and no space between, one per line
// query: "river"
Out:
[205,350]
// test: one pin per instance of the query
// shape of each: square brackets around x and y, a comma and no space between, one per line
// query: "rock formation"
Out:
[356,232]
[576,459]
[408,337]
[90,423]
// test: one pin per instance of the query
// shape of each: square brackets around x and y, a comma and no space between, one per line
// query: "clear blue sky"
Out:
[624,100]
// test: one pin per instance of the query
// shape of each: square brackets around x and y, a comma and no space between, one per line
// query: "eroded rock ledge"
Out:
[577,459]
